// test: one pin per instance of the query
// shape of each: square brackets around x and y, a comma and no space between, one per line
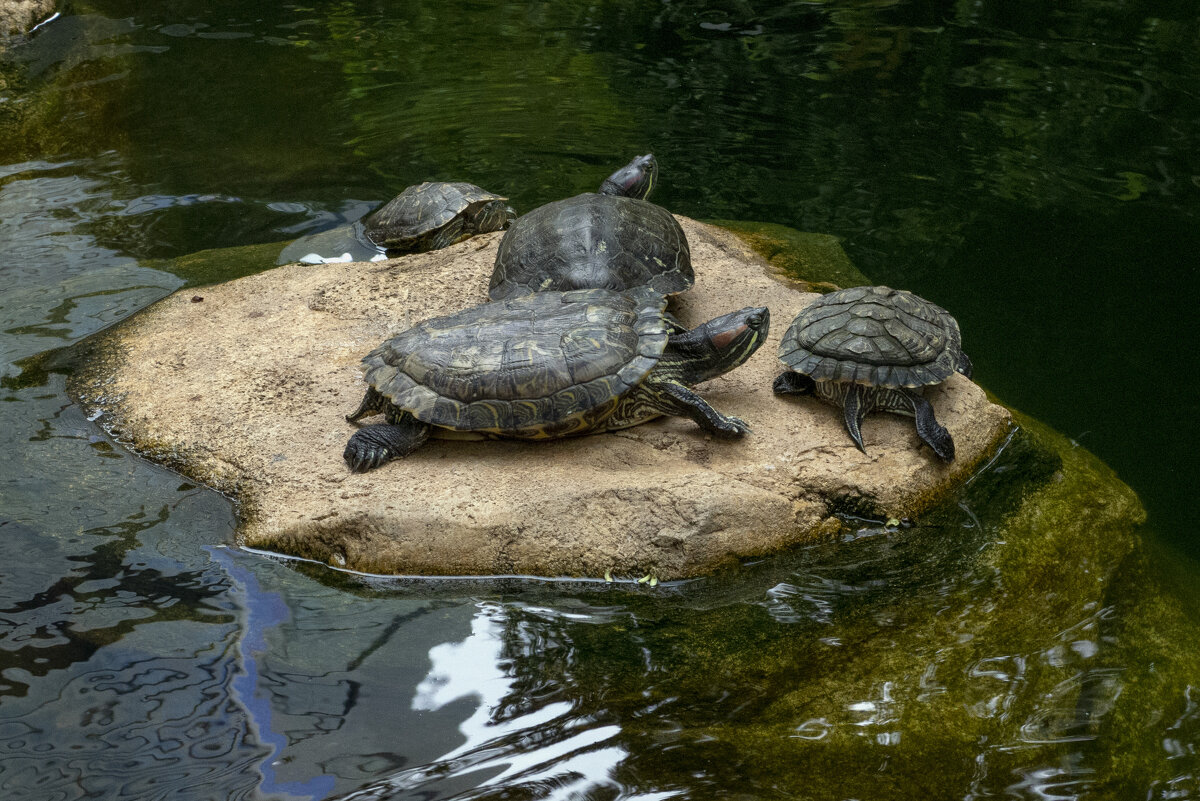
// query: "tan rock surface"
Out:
[19,16]
[247,389]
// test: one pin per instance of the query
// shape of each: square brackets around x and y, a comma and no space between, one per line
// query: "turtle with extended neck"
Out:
[547,365]
[610,239]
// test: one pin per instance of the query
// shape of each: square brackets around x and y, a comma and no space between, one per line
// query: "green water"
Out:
[1032,167]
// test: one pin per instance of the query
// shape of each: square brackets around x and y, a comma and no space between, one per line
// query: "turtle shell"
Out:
[593,241]
[876,336]
[415,216]
[544,365]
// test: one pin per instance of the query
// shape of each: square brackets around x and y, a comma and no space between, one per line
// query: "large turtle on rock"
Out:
[552,364]
[872,348]
[436,215]
[611,239]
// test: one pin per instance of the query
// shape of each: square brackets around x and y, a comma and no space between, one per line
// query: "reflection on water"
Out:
[1014,162]
[547,749]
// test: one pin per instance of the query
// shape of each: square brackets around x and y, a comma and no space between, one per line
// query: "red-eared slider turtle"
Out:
[871,348]
[613,239]
[436,215]
[552,364]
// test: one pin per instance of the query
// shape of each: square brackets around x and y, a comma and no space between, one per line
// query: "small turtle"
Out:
[436,215]
[871,348]
[611,239]
[552,364]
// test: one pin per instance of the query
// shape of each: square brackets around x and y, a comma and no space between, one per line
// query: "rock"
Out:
[247,392]
[21,16]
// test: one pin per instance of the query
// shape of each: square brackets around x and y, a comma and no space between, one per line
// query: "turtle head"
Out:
[964,365]
[719,345]
[635,179]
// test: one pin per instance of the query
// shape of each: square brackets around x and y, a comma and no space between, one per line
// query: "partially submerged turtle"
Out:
[611,239]
[436,215]
[553,364]
[872,348]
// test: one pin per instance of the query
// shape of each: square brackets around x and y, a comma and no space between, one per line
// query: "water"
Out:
[1031,167]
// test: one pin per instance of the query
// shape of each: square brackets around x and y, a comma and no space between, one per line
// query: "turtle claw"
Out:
[737,426]
[372,445]
[362,456]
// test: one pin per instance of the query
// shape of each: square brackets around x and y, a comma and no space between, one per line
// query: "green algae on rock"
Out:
[981,626]
[816,259]
[219,264]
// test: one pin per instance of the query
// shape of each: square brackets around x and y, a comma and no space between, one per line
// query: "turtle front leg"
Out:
[671,397]
[931,432]
[373,445]
[454,232]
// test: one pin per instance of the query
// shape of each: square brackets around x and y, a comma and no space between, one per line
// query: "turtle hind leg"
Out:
[931,432]
[373,445]
[854,409]
[793,383]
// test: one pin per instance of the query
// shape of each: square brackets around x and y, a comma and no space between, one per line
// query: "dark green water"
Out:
[1033,167]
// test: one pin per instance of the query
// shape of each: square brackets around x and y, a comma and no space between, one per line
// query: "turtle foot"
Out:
[931,432]
[733,427]
[371,446]
[364,453]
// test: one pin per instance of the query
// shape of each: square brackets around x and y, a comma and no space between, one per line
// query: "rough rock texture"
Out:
[246,390]
[18,16]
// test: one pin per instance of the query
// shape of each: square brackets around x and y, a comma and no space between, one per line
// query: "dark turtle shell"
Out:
[876,336]
[593,240]
[436,214]
[536,366]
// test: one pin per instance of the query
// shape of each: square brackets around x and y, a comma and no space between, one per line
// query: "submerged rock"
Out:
[245,385]
[985,640]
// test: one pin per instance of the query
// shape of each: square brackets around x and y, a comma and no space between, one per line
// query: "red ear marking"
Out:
[723,339]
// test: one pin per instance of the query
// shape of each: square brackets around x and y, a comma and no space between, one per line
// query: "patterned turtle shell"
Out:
[436,214]
[542,365]
[876,336]
[593,240]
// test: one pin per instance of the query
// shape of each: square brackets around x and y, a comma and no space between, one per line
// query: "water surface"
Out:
[1032,168]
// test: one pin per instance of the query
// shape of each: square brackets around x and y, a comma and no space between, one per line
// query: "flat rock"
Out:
[244,386]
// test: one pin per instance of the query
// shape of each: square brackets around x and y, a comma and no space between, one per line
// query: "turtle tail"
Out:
[372,403]
[592,279]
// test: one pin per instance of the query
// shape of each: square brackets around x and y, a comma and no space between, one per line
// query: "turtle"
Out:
[611,239]
[873,348]
[546,365]
[437,214]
